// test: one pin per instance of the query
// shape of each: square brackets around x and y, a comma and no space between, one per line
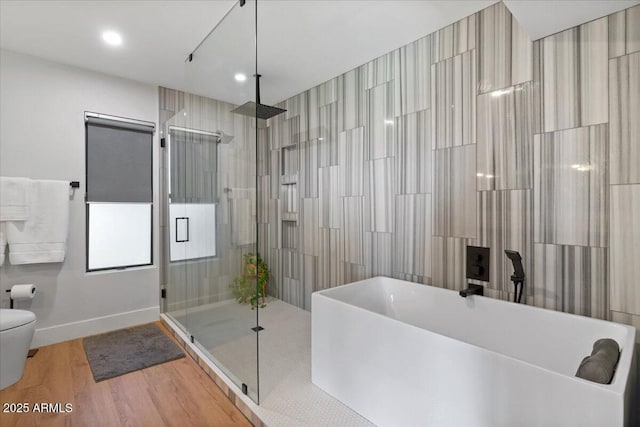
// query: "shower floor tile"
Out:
[288,398]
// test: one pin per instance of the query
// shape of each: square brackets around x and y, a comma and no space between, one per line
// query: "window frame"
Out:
[116,120]
[216,202]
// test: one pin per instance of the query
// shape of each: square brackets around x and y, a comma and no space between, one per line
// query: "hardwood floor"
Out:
[176,393]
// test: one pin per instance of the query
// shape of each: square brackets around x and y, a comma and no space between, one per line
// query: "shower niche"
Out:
[289,196]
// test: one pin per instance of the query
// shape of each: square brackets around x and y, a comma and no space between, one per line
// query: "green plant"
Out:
[250,286]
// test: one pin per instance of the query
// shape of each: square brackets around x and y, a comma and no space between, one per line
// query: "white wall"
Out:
[42,136]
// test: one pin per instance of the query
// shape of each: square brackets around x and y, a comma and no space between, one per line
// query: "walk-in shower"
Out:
[211,276]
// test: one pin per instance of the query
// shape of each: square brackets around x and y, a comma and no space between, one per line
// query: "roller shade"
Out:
[193,167]
[119,161]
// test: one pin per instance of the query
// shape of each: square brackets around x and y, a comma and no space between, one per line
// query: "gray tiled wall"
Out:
[196,282]
[472,135]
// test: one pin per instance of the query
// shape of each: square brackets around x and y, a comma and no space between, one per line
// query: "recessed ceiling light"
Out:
[240,77]
[112,38]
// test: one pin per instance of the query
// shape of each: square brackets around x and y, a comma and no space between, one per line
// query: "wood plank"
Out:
[170,394]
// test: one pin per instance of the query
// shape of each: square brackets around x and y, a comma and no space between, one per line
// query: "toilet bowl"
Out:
[16,332]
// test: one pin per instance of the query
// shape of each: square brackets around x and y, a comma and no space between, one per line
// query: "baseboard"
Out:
[97,325]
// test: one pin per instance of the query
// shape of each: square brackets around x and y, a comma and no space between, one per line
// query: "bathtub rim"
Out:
[623,369]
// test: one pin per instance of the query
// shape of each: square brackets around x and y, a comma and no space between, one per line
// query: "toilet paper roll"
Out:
[22,292]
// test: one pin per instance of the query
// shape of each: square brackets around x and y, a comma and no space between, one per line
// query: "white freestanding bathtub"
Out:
[404,354]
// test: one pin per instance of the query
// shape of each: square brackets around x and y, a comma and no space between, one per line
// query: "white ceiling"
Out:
[541,18]
[301,43]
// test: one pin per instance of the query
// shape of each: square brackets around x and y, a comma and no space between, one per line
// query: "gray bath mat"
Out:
[127,350]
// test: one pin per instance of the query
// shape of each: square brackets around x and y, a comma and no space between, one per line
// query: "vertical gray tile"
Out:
[633,29]
[330,266]
[412,234]
[336,241]
[275,279]
[412,88]
[274,224]
[379,133]
[289,235]
[328,92]
[264,186]
[571,279]
[308,175]
[624,32]
[289,203]
[324,260]
[617,34]
[350,100]
[351,161]
[625,248]
[298,106]
[537,72]
[309,277]
[290,132]
[354,272]
[454,198]
[377,248]
[329,200]
[378,71]
[573,76]
[594,58]
[505,222]
[454,39]
[170,99]
[570,187]
[309,227]
[274,125]
[379,193]
[624,125]
[353,230]
[521,54]
[505,134]
[313,115]
[275,171]
[290,161]
[449,262]
[263,147]
[328,135]
[453,89]
[494,48]
[560,83]
[414,157]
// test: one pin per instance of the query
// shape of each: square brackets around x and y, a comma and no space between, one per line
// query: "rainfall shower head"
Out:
[223,138]
[256,109]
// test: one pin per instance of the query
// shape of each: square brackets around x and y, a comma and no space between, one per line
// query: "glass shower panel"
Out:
[212,211]
[174,254]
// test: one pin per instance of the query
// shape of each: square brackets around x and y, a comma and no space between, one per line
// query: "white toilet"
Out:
[16,332]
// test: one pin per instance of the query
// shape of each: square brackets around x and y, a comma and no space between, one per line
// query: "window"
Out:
[119,197]
[192,193]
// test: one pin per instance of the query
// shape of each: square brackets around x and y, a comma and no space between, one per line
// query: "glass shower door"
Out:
[211,255]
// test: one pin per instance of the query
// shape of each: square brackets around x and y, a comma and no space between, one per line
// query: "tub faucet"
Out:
[472,290]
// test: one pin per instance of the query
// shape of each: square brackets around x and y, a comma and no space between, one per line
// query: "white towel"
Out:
[43,237]
[3,242]
[14,201]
